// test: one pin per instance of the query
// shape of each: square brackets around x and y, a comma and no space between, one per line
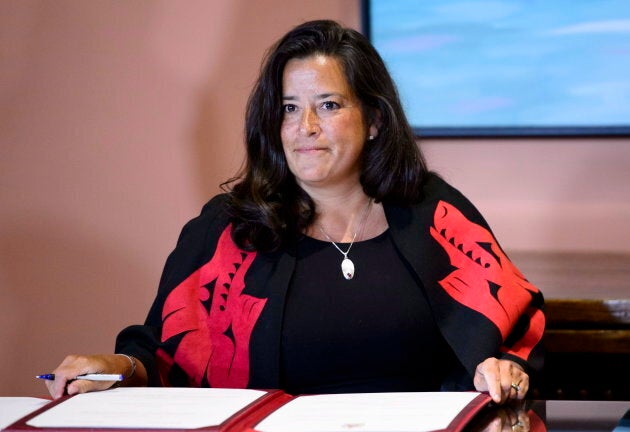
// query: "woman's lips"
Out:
[309,149]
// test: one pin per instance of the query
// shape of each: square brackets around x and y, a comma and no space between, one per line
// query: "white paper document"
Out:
[368,412]
[14,408]
[147,408]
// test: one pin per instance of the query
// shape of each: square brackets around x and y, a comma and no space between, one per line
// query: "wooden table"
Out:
[587,338]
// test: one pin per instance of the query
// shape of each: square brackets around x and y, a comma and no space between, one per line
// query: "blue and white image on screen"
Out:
[507,63]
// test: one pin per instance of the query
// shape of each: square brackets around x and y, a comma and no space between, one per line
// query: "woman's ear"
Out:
[375,122]
[373,133]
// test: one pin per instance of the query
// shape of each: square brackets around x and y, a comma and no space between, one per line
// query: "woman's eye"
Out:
[330,105]
[289,108]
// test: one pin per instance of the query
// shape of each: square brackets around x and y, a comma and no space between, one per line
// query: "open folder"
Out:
[230,410]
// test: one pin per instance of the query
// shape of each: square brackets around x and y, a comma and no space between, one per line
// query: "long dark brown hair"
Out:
[267,208]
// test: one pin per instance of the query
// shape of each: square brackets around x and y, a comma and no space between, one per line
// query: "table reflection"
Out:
[514,417]
[556,416]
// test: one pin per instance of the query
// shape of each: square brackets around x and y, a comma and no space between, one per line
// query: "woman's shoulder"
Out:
[216,204]
[436,188]
[438,192]
[213,218]
[433,189]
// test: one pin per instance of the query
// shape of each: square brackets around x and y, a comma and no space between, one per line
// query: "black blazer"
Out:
[217,317]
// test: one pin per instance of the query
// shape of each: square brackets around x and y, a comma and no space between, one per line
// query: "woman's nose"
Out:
[309,124]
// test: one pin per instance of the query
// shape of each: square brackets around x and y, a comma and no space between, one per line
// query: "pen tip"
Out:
[46,376]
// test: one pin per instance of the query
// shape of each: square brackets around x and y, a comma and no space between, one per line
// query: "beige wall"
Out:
[119,119]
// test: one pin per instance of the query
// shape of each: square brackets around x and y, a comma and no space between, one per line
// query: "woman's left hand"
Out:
[502,379]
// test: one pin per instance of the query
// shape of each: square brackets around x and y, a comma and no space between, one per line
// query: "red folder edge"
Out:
[248,424]
[244,420]
[469,412]
[248,421]
[21,423]
[257,409]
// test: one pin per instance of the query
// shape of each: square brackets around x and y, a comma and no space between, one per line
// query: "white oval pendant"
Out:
[347,268]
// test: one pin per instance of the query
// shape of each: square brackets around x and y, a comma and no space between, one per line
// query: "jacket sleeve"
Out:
[484,305]
[485,280]
[192,249]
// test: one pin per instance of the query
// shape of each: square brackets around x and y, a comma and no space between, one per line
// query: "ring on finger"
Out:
[516,386]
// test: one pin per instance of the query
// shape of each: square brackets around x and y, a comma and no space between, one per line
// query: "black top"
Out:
[372,333]
[218,315]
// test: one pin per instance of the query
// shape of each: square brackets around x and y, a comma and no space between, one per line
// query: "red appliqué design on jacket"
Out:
[484,279]
[214,319]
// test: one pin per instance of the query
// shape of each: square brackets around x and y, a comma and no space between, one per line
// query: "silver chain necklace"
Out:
[347,266]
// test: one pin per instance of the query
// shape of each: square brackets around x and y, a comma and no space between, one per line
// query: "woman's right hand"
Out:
[75,365]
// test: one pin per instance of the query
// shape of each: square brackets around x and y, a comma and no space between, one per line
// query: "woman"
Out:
[336,262]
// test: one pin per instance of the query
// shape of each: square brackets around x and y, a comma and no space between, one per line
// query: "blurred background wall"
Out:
[119,119]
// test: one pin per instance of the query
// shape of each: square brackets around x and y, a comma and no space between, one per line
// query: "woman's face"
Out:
[323,129]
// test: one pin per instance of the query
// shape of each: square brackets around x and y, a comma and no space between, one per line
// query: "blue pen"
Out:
[50,377]
[88,377]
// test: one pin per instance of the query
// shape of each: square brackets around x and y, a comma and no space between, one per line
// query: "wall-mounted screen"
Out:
[507,67]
